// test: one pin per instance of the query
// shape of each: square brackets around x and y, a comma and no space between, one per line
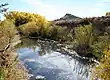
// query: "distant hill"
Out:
[72,21]
[68,18]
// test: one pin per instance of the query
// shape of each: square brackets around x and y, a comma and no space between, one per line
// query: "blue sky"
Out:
[53,9]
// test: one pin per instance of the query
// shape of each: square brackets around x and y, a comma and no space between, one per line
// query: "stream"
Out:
[43,60]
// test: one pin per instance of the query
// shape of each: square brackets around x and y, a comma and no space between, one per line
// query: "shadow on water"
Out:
[42,58]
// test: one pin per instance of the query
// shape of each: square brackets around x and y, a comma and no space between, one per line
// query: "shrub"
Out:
[107,29]
[1,74]
[29,28]
[103,69]
[88,42]
[8,28]
[60,33]
[99,45]
[108,14]
[7,32]
[84,38]
[84,34]
[33,30]
[45,31]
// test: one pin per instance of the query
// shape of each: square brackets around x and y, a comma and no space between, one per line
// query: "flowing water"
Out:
[42,59]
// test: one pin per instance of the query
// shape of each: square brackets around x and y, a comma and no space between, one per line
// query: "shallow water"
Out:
[42,59]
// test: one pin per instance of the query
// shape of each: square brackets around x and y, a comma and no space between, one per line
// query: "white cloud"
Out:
[100,8]
[105,1]
[99,4]
[49,11]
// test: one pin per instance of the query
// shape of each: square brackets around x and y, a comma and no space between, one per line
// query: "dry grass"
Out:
[10,68]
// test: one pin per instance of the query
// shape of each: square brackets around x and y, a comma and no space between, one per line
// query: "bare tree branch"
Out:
[2,10]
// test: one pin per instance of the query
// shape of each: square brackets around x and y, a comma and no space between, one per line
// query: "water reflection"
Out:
[41,58]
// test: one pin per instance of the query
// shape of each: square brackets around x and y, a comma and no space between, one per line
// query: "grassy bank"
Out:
[10,68]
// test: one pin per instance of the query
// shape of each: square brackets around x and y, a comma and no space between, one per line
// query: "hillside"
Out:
[67,19]
[70,20]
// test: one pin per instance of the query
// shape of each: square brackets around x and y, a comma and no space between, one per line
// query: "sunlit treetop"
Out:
[20,18]
[108,14]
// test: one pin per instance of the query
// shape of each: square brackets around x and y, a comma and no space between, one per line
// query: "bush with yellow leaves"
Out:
[102,71]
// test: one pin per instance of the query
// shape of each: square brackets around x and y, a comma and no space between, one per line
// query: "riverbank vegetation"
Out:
[102,71]
[10,68]
[34,25]
[87,40]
